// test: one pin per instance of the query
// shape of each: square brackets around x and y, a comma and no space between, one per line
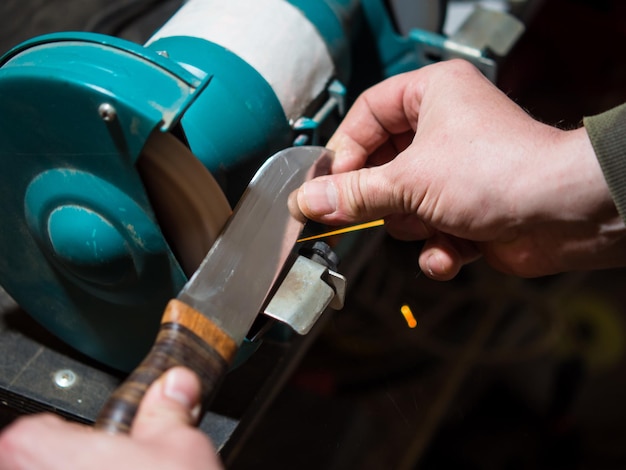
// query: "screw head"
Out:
[65,378]
[107,112]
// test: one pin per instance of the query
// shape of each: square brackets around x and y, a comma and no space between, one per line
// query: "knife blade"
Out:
[204,325]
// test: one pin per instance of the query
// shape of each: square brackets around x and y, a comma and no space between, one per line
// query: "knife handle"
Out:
[186,338]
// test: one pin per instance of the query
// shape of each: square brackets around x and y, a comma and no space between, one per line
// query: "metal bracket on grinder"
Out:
[307,290]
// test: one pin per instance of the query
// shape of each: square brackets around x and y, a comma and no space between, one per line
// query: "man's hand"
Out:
[443,155]
[163,436]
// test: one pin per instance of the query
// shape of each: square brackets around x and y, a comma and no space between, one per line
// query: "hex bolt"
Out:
[65,378]
[321,253]
[107,112]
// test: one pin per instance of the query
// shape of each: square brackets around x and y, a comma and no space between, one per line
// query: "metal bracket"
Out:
[307,127]
[307,290]
[484,32]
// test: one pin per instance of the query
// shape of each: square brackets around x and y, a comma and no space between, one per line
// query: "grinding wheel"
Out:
[189,204]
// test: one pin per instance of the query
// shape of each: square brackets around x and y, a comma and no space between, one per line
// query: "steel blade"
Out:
[233,280]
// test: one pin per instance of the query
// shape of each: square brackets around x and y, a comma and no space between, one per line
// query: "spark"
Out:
[408,316]
[352,228]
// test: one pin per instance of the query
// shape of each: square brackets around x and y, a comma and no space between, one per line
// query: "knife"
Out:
[203,327]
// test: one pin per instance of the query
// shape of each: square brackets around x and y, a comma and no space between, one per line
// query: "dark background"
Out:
[500,373]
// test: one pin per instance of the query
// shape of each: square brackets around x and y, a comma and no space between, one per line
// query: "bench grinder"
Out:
[120,161]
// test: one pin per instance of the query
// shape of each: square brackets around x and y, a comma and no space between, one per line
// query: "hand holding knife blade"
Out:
[203,327]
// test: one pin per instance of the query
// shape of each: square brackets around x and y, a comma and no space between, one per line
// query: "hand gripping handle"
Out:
[186,338]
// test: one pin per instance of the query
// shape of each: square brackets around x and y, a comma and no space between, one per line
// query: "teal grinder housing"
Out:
[83,247]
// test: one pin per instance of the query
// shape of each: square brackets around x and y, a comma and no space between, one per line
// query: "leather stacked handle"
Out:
[186,338]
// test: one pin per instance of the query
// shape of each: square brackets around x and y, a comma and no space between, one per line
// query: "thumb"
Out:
[170,402]
[355,196]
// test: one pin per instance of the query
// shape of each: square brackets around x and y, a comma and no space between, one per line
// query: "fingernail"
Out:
[195,413]
[171,389]
[320,196]
[430,261]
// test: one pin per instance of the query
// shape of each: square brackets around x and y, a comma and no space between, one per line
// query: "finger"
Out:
[171,402]
[387,109]
[443,256]
[356,196]
[350,155]
[390,150]
[51,435]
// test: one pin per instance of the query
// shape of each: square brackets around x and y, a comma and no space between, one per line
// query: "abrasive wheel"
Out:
[189,204]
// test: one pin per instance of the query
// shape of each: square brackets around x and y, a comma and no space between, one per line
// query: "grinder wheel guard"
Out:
[110,253]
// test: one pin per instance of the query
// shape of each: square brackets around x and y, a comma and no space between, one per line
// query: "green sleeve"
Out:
[607,132]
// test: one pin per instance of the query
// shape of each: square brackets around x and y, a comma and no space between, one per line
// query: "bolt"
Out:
[107,112]
[321,253]
[64,378]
